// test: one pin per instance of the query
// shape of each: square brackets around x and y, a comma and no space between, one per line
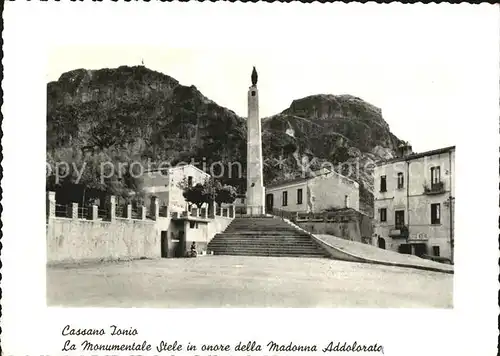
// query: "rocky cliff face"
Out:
[145,114]
[342,132]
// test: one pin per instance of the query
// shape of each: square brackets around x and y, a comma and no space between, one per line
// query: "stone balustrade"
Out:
[112,213]
[92,212]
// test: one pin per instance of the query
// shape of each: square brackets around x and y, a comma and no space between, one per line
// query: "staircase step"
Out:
[273,254]
[260,227]
[280,249]
[258,241]
[261,239]
[265,246]
[261,234]
[264,236]
[256,228]
[223,244]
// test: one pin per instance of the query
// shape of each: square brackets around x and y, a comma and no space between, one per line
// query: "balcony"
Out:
[399,231]
[434,188]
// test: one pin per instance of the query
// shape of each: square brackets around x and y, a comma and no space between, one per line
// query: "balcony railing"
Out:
[434,188]
[399,231]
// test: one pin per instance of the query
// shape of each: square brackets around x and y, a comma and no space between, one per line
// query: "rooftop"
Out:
[166,169]
[304,179]
[413,156]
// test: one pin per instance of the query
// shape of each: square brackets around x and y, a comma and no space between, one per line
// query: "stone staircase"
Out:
[264,236]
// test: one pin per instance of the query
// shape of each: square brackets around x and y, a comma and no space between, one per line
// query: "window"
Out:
[190,181]
[435,250]
[383,184]
[299,196]
[399,216]
[242,200]
[192,225]
[435,175]
[383,215]
[435,213]
[253,92]
[401,181]
[285,198]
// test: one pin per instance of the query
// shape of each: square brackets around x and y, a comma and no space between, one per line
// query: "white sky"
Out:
[418,64]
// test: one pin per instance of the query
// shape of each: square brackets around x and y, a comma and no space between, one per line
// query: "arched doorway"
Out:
[381,243]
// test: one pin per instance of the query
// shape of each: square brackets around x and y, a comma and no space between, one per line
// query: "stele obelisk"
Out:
[255,181]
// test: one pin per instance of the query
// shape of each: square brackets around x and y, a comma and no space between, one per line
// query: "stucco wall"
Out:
[205,232]
[292,197]
[319,193]
[177,175]
[416,205]
[166,186]
[420,173]
[202,234]
[78,240]
[330,190]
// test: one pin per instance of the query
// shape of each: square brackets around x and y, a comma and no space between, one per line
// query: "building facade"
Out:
[313,194]
[165,185]
[414,203]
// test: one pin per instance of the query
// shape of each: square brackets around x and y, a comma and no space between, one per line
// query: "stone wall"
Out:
[331,190]
[81,237]
[347,224]
[76,240]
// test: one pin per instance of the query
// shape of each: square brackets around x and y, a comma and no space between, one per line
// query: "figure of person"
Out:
[193,249]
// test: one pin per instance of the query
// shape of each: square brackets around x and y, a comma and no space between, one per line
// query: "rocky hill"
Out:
[140,114]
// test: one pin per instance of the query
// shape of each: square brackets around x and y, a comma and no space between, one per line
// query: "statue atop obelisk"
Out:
[255,180]
[255,76]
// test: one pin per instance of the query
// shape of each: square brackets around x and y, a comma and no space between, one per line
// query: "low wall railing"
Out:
[60,210]
[93,212]
[112,211]
[327,216]
[206,213]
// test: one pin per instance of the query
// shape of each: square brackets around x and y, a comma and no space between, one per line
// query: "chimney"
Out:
[404,149]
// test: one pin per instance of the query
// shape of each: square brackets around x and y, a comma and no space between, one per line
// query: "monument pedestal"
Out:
[255,211]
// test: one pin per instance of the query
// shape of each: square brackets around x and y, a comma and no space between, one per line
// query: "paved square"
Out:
[241,281]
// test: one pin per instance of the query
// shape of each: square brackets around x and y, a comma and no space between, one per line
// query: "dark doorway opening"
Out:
[269,203]
[181,247]
[381,243]
[420,250]
[164,244]
[405,249]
